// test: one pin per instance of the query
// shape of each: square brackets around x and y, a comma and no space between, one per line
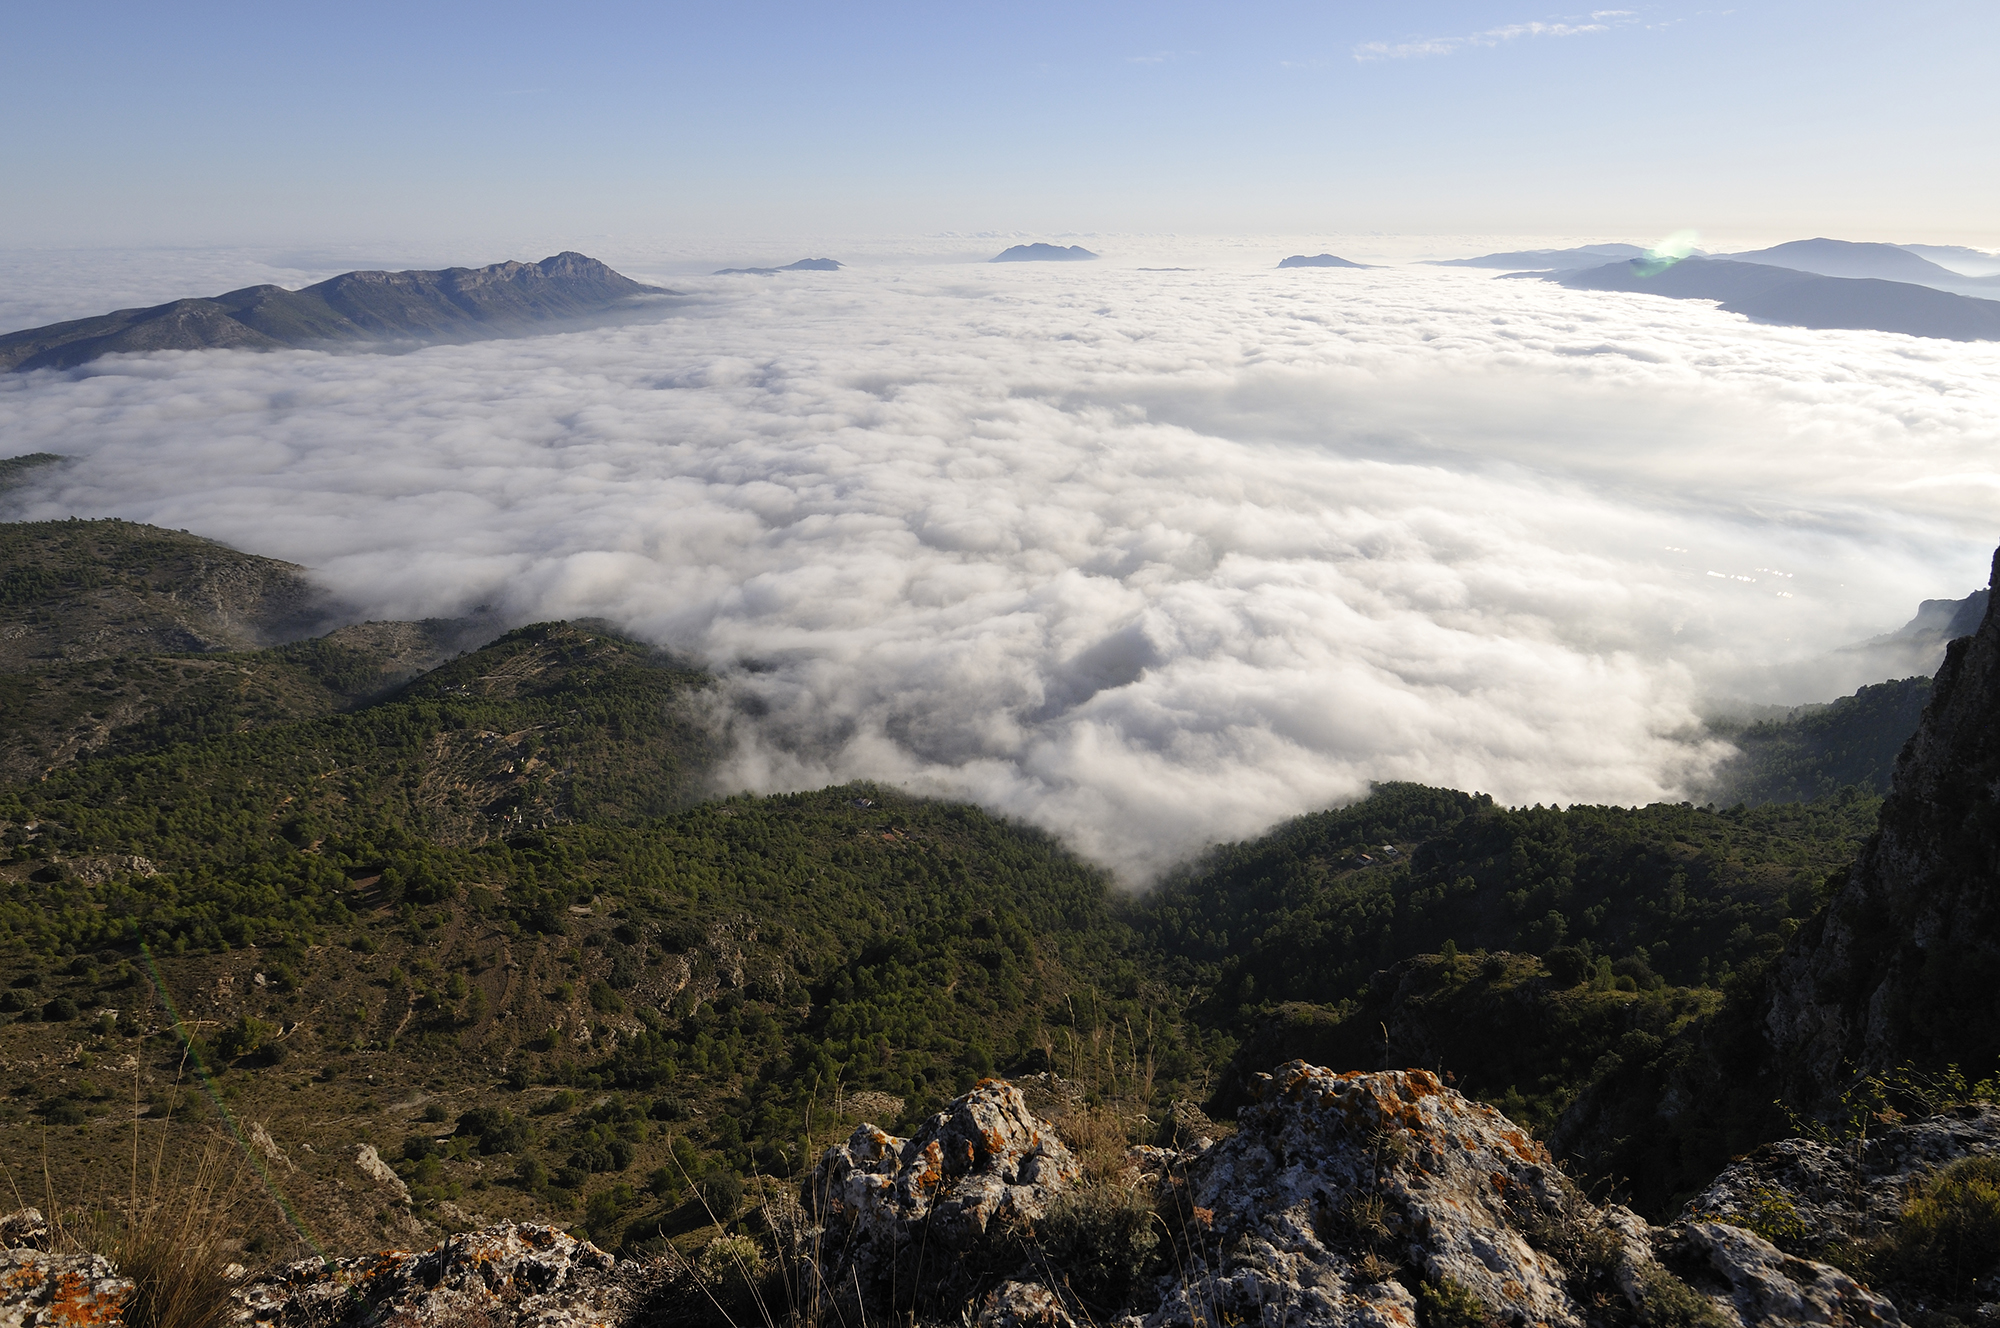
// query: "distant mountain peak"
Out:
[1850,258]
[1319,260]
[1789,296]
[803,265]
[1544,260]
[454,304]
[1043,253]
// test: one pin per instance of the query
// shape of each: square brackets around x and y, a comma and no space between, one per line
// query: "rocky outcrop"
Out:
[505,1276]
[1342,1199]
[1343,1193]
[1747,1280]
[930,1215]
[1900,964]
[40,1290]
[371,1165]
[1809,1194]
[23,1228]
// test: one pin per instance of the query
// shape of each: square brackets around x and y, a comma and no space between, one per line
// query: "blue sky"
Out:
[240,123]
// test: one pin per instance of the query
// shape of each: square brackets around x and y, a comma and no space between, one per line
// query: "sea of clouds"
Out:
[1149,558]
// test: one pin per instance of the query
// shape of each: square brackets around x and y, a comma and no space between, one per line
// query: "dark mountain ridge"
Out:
[453,305]
[803,265]
[1849,258]
[1800,299]
[1561,260]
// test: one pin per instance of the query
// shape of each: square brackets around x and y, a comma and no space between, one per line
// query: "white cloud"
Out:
[1146,558]
[1602,20]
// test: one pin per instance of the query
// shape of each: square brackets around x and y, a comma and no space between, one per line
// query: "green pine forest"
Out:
[487,917]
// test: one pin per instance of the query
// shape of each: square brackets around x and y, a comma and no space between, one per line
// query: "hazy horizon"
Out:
[427,127]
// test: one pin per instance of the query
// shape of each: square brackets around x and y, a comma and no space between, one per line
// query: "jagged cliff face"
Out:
[1904,964]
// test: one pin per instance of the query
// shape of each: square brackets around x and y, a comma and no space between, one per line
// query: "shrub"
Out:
[242,1037]
[729,1258]
[1948,1235]
[604,1207]
[605,999]
[61,1008]
[497,1129]
[1667,1302]
[1101,1237]
[1451,1304]
[62,1111]
[722,1192]
[1772,1215]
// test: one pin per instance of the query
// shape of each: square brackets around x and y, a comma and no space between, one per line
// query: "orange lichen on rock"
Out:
[41,1290]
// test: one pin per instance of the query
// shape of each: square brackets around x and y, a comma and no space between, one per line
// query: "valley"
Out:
[423,938]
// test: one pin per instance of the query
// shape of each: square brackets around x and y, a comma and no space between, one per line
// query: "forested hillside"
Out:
[491,921]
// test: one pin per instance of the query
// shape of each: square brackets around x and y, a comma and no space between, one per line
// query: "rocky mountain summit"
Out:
[452,305]
[1376,1199]
[1371,1200]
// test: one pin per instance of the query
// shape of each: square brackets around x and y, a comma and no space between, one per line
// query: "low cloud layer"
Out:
[1148,558]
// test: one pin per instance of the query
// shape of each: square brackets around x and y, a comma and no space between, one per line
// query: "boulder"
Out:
[41,1290]
[24,1227]
[1807,1194]
[1022,1305]
[1340,1192]
[1753,1282]
[503,1276]
[931,1215]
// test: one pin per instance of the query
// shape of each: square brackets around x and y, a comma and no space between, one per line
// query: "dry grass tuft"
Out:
[173,1245]
[1099,1139]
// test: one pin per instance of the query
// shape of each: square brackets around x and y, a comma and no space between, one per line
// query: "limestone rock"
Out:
[938,1209]
[504,1276]
[25,1227]
[373,1167]
[1756,1285]
[1022,1305]
[1334,1183]
[1806,1194]
[39,1290]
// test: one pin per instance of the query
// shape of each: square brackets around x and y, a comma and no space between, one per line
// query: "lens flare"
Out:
[1666,253]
